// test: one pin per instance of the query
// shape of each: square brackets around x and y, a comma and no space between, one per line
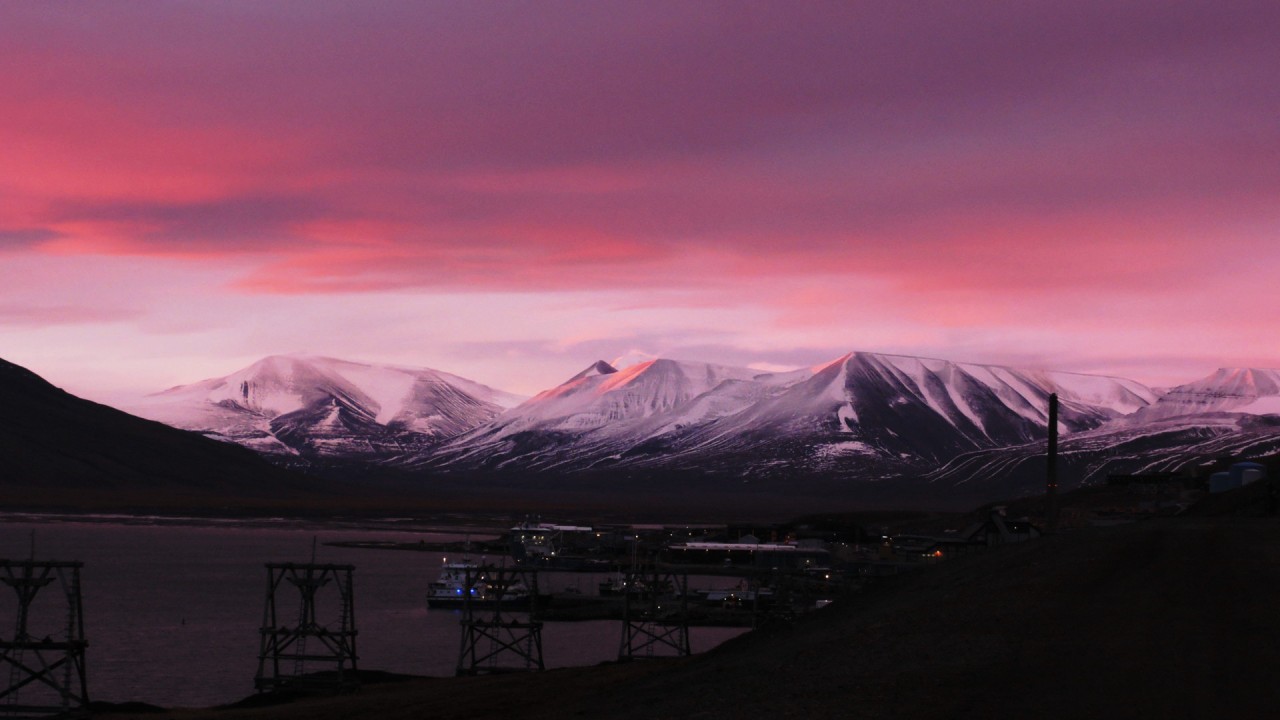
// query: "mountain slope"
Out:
[318,407]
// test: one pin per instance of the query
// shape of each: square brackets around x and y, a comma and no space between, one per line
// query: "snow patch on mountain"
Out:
[840,449]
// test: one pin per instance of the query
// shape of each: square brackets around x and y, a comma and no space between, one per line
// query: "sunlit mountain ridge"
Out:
[862,417]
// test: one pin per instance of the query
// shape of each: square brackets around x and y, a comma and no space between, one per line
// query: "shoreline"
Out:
[336,522]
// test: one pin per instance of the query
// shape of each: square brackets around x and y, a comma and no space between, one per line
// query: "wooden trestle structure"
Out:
[503,633]
[308,655]
[44,658]
[655,614]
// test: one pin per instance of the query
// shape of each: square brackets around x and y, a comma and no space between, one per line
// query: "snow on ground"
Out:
[848,447]
[391,388]
[1263,406]
[847,416]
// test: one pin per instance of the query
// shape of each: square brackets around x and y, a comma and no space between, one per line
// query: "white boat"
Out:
[465,581]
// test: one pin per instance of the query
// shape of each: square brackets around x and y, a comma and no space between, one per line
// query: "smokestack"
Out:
[1051,488]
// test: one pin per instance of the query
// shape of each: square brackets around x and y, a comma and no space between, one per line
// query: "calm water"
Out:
[172,612]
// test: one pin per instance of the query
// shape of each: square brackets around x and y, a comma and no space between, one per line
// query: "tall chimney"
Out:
[1051,489]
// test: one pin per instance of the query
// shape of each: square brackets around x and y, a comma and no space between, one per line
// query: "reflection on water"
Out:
[172,611]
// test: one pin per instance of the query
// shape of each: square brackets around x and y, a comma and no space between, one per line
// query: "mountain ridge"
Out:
[883,406]
[860,418]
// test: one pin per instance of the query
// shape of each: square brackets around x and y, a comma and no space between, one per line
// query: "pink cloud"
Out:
[854,131]
[44,316]
[19,238]
[939,165]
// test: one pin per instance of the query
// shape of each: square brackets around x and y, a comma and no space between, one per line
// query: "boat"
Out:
[451,590]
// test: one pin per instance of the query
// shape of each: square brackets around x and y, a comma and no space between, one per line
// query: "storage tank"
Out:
[1222,482]
[1244,473]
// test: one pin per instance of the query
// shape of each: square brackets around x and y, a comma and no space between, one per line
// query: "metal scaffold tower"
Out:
[309,655]
[655,614]
[500,629]
[45,655]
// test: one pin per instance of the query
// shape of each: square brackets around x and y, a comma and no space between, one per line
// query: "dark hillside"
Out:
[58,449]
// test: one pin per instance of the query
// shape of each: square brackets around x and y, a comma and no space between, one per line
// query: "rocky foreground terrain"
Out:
[1165,618]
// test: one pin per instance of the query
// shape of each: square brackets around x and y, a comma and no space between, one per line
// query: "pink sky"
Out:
[510,191]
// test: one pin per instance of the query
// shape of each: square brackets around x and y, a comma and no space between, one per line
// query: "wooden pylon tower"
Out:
[309,655]
[501,631]
[44,658]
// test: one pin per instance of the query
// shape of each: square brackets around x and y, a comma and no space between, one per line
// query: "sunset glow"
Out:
[511,191]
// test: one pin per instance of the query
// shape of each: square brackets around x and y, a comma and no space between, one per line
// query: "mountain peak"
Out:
[633,357]
[1259,380]
[600,367]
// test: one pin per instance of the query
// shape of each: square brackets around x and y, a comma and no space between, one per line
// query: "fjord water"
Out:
[172,612]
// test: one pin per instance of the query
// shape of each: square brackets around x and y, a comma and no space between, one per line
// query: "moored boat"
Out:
[464,582]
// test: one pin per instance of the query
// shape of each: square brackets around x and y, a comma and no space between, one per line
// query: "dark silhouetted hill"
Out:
[58,449]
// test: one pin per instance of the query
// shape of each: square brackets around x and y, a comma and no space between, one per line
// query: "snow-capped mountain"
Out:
[602,396]
[951,428]
[1232,413]
[1251,391]
[601,409]
[324,407]
[927,410]
[877,409]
